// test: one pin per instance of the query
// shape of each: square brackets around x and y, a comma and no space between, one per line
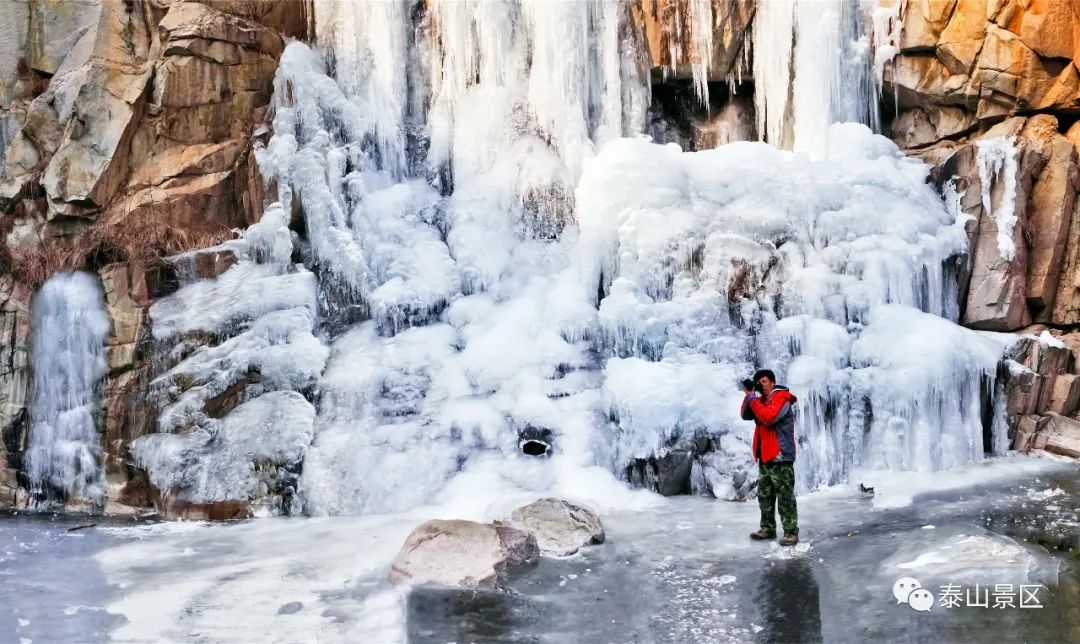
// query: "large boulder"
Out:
[561,528]
[463,553]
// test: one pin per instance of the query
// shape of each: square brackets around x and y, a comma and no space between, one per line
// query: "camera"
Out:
[750,384]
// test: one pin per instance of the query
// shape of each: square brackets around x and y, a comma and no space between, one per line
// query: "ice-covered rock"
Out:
[560,527]
[246,456]
[462,553]
[726,473]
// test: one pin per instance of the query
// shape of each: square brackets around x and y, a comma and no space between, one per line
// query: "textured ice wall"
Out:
[836,273]
[262,366]
[69,326]
[494,256]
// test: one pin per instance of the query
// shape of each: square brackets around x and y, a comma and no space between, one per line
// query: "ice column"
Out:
[68,358]
[817,62]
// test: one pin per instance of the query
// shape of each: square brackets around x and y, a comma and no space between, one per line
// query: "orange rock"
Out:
[924,20]
[960,41]
[1051,28]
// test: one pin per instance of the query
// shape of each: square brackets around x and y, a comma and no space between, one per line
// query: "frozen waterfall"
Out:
[819,62]
[493,254]
[63,453]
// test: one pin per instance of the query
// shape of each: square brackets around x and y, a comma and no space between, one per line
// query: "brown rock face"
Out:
[1058,435]
[1039,187]
[14,380]
[147,121]
[127,130]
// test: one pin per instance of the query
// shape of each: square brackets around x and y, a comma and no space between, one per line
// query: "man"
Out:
[773,412]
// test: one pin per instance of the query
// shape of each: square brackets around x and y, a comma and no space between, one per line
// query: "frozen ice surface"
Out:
[670,562]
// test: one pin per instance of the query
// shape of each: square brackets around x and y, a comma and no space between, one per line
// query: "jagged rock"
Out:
[1007,294]
[921,80]
[76,132]
[14,82]
[996,295]
[185,161]
[128,412]
[1011,76]
[1022,393]
[1051,29]
[560,527]
[994,58]
[292,19]
[1066,307]
[1026,428]
[1065,395]
[924,21]
[462,553]
[14,382]
[1059,435]
[1050,210]
[918,127]
[200,21]
[126,300]
[55,26]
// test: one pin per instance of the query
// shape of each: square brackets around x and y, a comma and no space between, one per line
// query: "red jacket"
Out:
[774,429]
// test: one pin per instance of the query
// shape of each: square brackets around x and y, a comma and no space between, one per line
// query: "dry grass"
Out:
[104,243]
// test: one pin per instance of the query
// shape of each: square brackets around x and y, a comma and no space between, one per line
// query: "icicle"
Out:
[701,34]
[997,161]
[774,34]
[885,32]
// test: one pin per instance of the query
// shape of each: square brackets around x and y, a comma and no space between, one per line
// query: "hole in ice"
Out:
[535,447]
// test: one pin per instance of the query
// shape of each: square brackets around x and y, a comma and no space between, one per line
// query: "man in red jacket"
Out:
[773,412]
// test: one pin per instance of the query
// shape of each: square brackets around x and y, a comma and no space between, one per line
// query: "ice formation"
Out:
[996,160]
[63,454]
[818,62]
[493,255]
[260,373]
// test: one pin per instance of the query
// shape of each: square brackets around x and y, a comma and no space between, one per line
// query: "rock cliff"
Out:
[127,129]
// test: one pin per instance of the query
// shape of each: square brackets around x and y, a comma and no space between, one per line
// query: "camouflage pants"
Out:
[776,491]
